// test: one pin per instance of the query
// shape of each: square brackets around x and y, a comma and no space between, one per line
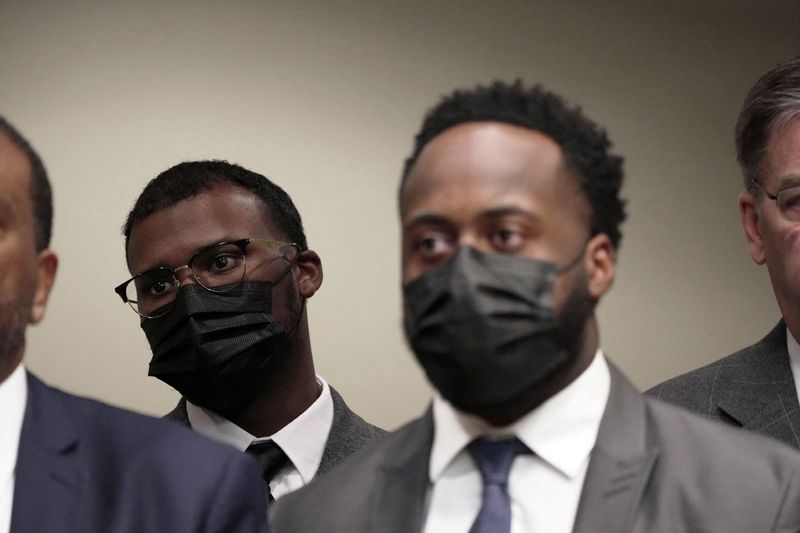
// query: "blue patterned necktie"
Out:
[493,458]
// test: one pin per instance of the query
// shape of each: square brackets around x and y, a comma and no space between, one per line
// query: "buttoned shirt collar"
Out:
[303,439]
[562,431]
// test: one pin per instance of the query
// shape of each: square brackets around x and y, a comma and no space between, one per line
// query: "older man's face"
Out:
[774,233]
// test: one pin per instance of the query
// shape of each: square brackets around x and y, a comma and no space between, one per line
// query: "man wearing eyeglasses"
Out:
[71,464]
[221,274]
[757,388]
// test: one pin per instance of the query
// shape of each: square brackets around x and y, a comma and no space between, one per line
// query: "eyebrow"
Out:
[434,219]
[790,180]
[427,218]
[504,211]
[196,251]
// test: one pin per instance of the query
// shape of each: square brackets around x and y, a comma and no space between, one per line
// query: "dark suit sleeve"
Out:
[238,501]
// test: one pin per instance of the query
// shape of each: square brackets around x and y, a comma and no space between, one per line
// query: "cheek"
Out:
[15,278]
[783,247]
[567,286]
[286,302]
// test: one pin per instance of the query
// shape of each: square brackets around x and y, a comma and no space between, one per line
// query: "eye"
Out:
[160,287]
[224,262]
[155,285]
[431,246]
[789,199]
[506,240]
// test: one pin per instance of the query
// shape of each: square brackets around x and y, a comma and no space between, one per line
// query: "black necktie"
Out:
[493,459]
[270,458]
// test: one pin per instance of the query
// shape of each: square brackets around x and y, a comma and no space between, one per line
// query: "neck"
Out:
[9,364]
[289,389]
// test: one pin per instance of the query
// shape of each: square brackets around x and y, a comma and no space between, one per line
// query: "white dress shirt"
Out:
[794,359]
[13,397]
[303,439]
[544,488]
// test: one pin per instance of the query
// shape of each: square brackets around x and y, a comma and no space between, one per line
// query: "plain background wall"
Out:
[324,97]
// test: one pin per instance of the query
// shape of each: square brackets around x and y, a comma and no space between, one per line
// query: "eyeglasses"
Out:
[218,268]
[788,200]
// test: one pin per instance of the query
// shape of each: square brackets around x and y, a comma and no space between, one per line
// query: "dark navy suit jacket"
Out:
[86,467]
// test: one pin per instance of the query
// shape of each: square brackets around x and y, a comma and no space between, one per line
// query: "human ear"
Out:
[748,210]
[46,266]
[309,273]
[601,260]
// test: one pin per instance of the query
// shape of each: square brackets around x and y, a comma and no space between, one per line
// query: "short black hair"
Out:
[190,178]
[41,193]
[585,145]
[773,101]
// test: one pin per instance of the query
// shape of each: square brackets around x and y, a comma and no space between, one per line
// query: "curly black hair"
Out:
[585,144]
[190,178]
[41,193]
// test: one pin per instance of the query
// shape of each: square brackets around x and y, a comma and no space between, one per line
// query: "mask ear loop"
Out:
[291,333]
[572,264]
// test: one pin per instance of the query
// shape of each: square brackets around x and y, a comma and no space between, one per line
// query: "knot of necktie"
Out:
[493,458]
[270,458]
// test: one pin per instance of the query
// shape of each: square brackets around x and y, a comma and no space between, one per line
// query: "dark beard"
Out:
[13,321]
[577,309]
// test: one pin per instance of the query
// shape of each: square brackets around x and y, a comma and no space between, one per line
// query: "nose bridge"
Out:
[470,238]
[184,275]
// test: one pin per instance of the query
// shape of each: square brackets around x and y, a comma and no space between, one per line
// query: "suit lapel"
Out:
[620,465]
[402,482]
[756,389]
[333,454]
[48,481]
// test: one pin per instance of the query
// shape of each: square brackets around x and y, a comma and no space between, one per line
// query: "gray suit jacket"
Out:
[349,431]
[752,388]
[654,469]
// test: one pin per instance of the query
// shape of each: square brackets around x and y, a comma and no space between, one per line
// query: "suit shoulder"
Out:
[122,429]
[718,477]
[686,435]
[345,493]
[695,389]
[349,433]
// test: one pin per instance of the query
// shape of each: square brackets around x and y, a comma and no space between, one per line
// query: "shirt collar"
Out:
[13,397]
[562,431]
[302,440]
[793,348]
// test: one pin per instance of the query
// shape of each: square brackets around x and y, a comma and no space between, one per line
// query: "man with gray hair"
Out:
[756,388]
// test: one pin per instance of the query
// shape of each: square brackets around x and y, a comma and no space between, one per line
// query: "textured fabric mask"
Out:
[483,328]
[215,348]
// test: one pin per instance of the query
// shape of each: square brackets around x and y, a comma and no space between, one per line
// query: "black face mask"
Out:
[483,327]
[217,348]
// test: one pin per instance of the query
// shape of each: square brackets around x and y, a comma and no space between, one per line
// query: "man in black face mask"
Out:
[510,214]
[221,273]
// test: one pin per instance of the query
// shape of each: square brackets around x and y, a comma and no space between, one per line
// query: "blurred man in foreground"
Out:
[510,215]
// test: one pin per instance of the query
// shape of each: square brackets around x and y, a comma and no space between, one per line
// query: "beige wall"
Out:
[324,97]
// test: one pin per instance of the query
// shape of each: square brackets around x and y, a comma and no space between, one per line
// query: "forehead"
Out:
[169,237]
[478,166]
[15,178]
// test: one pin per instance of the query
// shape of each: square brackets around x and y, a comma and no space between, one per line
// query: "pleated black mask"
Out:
[215,348]
[483,327]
